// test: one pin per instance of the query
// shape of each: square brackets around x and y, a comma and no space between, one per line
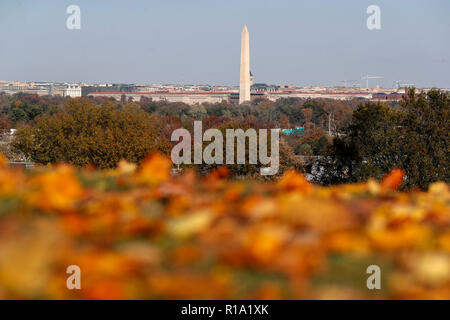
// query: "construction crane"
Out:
[347,81]
[367,77]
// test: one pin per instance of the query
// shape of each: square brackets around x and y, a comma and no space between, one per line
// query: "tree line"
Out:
[369,139]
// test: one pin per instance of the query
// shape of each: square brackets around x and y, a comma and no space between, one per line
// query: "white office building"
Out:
[72,90]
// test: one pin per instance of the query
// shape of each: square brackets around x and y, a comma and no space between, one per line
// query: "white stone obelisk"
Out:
[244,86]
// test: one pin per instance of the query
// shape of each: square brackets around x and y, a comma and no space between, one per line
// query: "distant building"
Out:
[317,95]
[86,90]
[72,90]
[262,87]
[381,96]
[185,97]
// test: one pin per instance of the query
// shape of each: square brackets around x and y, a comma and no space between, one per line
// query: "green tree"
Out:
[17,115]
[304,149]
[380,138]
[427,142]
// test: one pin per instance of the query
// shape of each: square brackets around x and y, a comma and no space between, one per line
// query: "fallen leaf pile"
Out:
[143,233]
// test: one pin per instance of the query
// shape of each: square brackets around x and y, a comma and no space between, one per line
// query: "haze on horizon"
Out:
[198,42]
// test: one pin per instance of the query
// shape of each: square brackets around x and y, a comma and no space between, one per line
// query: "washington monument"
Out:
[244,86]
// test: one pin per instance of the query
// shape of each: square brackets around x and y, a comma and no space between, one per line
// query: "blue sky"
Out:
[316,42]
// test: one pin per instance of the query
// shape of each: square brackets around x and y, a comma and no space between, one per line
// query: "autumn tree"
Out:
[307,117]
[287,158]
[84,133]
[5,124]
[284,122]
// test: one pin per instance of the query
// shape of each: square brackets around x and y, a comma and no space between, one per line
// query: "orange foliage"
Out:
[393,180]
[144,233]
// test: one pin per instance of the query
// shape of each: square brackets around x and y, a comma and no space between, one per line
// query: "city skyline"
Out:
[307,44]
